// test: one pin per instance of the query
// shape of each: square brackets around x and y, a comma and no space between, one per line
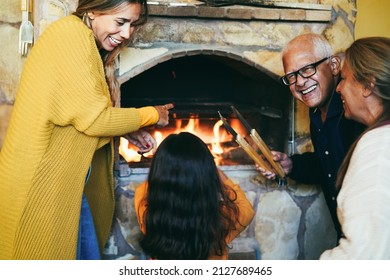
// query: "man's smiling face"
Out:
[314,91]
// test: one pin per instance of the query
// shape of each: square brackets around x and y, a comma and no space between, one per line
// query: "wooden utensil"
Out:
[260,144]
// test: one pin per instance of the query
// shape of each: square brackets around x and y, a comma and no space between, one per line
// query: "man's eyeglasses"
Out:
[305,72]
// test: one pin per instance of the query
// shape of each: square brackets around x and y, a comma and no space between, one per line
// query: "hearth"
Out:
[200,86]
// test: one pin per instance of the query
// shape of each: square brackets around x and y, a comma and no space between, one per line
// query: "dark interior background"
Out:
[202,85]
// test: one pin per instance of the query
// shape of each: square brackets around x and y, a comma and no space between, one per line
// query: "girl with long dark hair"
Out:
[188,209]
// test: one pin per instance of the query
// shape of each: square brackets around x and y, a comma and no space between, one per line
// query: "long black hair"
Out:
[189,211]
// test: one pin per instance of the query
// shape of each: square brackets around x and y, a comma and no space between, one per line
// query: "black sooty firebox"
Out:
[202,85]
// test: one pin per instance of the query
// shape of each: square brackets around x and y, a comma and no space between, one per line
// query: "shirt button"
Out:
[326,153]
[333,198]
[319,129]
[329,175]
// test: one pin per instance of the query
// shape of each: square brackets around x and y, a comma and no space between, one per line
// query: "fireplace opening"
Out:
[202,85]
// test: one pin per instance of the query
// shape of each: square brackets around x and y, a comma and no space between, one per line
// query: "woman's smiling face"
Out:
[352,95]
[111,29]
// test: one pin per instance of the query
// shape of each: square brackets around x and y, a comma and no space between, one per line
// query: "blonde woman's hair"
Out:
[369,58]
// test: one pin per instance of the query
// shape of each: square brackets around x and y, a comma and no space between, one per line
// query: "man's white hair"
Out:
[319,43]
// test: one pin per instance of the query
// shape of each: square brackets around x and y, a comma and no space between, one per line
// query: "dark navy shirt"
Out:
[331,140]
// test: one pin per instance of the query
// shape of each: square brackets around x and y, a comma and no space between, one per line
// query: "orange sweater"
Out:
[246,212]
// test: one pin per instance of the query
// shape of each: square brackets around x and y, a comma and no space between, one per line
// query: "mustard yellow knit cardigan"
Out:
[62,121]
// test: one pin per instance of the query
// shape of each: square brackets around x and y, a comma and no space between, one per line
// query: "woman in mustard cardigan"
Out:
[188,209]
[64,120]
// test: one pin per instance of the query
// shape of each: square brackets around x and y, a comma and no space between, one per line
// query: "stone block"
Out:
[184,11]
[293,14]
[266,14]
[211,12]
[5,114]
[277,224]
[312,15]
[157,9]
[318,227]
[239,13]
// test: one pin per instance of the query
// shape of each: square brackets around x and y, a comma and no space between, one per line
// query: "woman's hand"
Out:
[163,114]
[142,140]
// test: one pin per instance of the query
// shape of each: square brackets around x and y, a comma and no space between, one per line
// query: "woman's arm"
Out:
[245,208]
[363,202]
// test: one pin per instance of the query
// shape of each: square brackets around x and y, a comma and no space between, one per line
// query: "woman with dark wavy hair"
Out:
[188,209]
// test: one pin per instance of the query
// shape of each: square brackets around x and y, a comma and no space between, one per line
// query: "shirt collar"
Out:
[335,107]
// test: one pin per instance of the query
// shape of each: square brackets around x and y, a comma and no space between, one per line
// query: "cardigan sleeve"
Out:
[363,201]
[119,121]
[67,69]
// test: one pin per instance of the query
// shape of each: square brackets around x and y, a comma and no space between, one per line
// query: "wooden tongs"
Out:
[268,163]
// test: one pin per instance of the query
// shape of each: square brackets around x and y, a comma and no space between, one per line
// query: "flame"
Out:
[213,137]
[216,145]
[127,152]
[192,126]
[159,137]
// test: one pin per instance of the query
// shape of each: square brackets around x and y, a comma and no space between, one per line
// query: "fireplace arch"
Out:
[203,82]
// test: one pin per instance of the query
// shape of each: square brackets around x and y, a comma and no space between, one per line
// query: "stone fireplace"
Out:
[205,59]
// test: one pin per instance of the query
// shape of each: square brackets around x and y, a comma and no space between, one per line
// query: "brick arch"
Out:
[189,51]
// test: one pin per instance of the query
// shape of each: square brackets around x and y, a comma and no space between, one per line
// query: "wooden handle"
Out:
[251,152]
[267,153]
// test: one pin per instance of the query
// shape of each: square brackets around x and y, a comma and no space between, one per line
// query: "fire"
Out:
[212,137]
[216,145]
[127,152]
